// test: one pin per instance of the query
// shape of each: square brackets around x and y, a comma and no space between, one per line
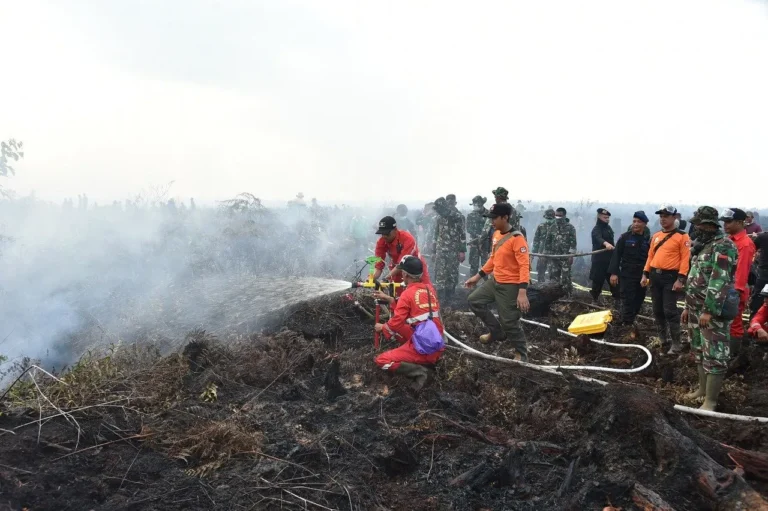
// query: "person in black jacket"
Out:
[626,268]
[602,238]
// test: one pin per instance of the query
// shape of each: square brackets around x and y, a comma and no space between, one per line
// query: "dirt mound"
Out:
[299,417]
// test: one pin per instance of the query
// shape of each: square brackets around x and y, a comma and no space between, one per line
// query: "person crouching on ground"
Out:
[758,327]
[507,287]
[415,324]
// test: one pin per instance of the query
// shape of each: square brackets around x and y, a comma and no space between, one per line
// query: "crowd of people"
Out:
[718,266]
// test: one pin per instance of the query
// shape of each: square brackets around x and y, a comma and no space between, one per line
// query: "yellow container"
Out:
[592,323]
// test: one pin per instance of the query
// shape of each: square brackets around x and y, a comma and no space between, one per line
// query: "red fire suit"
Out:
[403,244]
[412,307]
[760,321]
[746,249]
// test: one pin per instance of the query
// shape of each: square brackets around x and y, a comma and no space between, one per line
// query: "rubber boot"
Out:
[418,374]
[675,347]
[714,384]
[702,390]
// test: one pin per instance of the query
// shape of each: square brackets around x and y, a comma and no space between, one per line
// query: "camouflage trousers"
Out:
[477,258]
[711,345]
[560,272]
[446,273]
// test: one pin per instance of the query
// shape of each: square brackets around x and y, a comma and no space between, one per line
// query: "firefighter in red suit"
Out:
[758,327]
[396,244]
[412,307]
[733,221]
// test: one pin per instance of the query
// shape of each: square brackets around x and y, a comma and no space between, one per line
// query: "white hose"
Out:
[544,369]
[719,415]
[570,368]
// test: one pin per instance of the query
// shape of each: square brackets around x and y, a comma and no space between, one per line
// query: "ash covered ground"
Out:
[297,416]
[168,382]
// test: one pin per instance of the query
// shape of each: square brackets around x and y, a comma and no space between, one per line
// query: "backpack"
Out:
[426,337]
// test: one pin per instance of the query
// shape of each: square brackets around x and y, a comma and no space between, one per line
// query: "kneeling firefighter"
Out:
[415,323]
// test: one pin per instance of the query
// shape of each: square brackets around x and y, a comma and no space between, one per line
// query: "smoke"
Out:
[72,278]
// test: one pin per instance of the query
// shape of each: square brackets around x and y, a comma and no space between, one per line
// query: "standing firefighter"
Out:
[450,247]
[665,270]
[733,221]
[602,238]
[711,278]
[478,245]
[563,242]
[416,324]
[627,264]
[508,286]
[543,242]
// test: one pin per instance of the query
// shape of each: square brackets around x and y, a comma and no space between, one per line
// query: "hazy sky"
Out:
[612,100]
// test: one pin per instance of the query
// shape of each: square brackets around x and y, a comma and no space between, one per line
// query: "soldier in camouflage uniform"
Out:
[478,244]
[501,195]
[542,243]
[450,247]
[563,242]
[713,264]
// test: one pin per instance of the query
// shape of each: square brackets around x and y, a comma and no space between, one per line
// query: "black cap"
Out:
[386,225]
[640,215]
[667,210]
[603,211]
[503,209]
[411,265]
[733,214]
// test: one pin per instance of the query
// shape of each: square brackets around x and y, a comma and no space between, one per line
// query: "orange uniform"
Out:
[412,307]
[675,254]
[510,263]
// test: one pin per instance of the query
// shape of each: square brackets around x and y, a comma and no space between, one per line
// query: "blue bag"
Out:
[426,337]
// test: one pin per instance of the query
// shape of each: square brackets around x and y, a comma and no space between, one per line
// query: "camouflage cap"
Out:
[550,214]
[500,192]
[478,200]
[706,215]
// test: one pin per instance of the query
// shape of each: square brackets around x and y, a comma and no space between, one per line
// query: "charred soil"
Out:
[299,417]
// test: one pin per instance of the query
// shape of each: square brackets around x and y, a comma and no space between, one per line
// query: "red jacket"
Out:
[746,251]
[412,307]
[760,321]
[403,244]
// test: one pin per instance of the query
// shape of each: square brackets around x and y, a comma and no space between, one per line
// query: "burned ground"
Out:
[299,417]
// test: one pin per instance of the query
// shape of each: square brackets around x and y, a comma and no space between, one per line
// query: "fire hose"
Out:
[570,368]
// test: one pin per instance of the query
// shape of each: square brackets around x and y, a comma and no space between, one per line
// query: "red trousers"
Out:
[737,327]
[390,360]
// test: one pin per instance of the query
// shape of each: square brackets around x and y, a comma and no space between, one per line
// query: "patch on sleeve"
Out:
[523,250]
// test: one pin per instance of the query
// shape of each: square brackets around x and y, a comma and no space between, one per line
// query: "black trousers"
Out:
[599,275]
[756,301]
[665,309]
[632,296]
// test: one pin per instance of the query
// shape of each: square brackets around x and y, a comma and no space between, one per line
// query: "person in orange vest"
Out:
[667,266]
[508,286]
[415,323]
